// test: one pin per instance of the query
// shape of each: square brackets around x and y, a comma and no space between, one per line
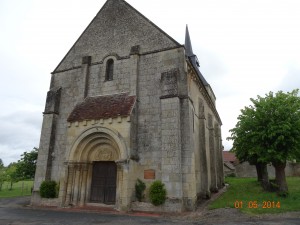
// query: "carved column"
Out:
[77,173]
[85,168]
[64,184]
[70,184]
[89,181]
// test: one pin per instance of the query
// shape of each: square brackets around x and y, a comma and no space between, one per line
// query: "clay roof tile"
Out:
[228,156]
[103,107]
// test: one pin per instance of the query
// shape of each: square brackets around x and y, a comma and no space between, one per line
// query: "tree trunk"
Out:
[262,175]
[258,171]
[280,177]
[265,177]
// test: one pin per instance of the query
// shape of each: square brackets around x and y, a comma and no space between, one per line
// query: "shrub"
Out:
[140,187]
[48,189]
[157,193]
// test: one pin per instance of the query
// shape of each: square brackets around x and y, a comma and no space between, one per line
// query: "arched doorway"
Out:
[95,169]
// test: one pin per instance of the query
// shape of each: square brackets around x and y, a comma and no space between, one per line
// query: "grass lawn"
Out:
[247,195]
[21,188]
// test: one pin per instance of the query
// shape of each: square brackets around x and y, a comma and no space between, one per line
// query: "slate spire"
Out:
[188,43]
[191,56]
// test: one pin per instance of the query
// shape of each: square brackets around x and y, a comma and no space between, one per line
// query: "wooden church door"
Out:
[104,182]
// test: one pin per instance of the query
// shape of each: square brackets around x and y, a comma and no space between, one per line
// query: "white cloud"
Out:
[246,48]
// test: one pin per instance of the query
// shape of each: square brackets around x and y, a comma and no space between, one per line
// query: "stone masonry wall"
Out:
[171,147]
[206,146]
[115,29]
[71,83]
[151,66]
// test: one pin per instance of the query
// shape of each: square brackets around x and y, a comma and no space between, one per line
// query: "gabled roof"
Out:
[229,156]
[192,57]
[229,165]
[115,29]
[103,107]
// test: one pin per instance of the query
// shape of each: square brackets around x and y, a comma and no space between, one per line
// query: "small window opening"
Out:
[109,69]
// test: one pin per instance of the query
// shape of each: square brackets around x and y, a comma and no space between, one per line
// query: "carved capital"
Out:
[123,163]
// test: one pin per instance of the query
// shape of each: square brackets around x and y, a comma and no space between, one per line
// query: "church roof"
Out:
[192,57]
[103,107]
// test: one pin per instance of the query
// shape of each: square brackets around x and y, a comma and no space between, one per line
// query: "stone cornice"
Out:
[107,121]
[118,58]
[203,91]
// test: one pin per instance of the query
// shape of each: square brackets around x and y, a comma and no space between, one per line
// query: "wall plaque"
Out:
[149,174]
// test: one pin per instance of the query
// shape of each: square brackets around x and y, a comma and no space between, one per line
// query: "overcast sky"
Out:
[245,48]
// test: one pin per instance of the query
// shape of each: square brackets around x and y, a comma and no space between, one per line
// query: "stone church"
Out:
[129,102]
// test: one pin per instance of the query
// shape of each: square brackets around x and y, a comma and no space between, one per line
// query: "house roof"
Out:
[229,165]
[228,156]
[103,107]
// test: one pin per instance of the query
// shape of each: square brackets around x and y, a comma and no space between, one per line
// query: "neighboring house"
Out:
[129,102]
[229,163]
[233,166]
[229,157]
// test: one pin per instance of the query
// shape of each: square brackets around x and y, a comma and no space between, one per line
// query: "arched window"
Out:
[109,69]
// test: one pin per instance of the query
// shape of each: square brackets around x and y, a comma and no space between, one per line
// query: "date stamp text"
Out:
[256,204]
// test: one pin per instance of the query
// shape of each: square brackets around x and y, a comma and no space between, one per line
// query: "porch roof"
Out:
[103,107]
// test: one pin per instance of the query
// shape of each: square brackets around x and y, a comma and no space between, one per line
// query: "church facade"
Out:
[129,102]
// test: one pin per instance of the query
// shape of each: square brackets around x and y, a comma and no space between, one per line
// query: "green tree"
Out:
[11,175]
[2,176]
[270,130]
[261,167]
[1,163]
[26,166]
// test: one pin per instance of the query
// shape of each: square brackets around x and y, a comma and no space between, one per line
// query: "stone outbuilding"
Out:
[233,167]
[129,102]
